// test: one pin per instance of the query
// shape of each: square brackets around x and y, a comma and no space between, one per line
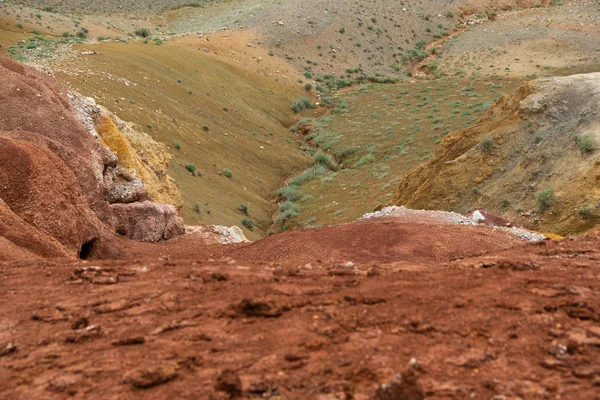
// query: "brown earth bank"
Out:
[520,323]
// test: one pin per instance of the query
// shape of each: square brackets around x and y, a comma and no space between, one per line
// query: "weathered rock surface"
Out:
[217,234]
[147,221]
[143,155]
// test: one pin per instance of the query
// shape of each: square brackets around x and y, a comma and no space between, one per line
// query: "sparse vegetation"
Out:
[325,160]
[227,173]
[243,208]
[546,199]
[289,192]
[287,210]
[486,145]
[248,223]
[587,211]
[142,32]
[301,104]
[191,168]
[586,143]
[367,158]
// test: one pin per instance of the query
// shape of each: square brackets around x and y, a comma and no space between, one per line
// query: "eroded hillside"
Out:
[401,304]
[533,158]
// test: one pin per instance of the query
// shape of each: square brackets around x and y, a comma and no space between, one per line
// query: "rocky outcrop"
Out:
[60,185]
[532,158]
[147,221]
[140,153]
[217,234]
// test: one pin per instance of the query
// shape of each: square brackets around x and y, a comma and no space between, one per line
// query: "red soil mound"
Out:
[377,240]
[518,324]
[380,240]
[40,189]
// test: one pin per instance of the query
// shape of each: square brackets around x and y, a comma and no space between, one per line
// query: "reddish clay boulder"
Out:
[147,221]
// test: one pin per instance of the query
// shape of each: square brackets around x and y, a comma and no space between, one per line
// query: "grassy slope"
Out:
[394,129]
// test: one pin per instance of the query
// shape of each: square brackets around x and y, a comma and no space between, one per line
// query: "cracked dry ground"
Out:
[518,323]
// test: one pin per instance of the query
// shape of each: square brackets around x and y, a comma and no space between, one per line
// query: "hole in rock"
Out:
[86,249]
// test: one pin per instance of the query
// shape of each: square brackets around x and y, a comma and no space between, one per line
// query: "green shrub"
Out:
[301,104]
[587,211]
[486,145]
[142,32]
[287,210]
[289,192]
[308,87]
[81,35]
[546,199]
[191,168]
[344,152]
[308,174]
[227,172]
[177,145]
[66,34]
[367,158]
[248,223]
[586,143]
[325,160]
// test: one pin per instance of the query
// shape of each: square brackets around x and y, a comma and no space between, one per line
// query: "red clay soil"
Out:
[521,323]
[378,240]
[38,187]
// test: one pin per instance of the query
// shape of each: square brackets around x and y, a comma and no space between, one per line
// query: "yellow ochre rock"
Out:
[139,152]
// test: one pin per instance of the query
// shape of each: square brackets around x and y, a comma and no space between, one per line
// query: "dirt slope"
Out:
[533,157]
[525,325]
